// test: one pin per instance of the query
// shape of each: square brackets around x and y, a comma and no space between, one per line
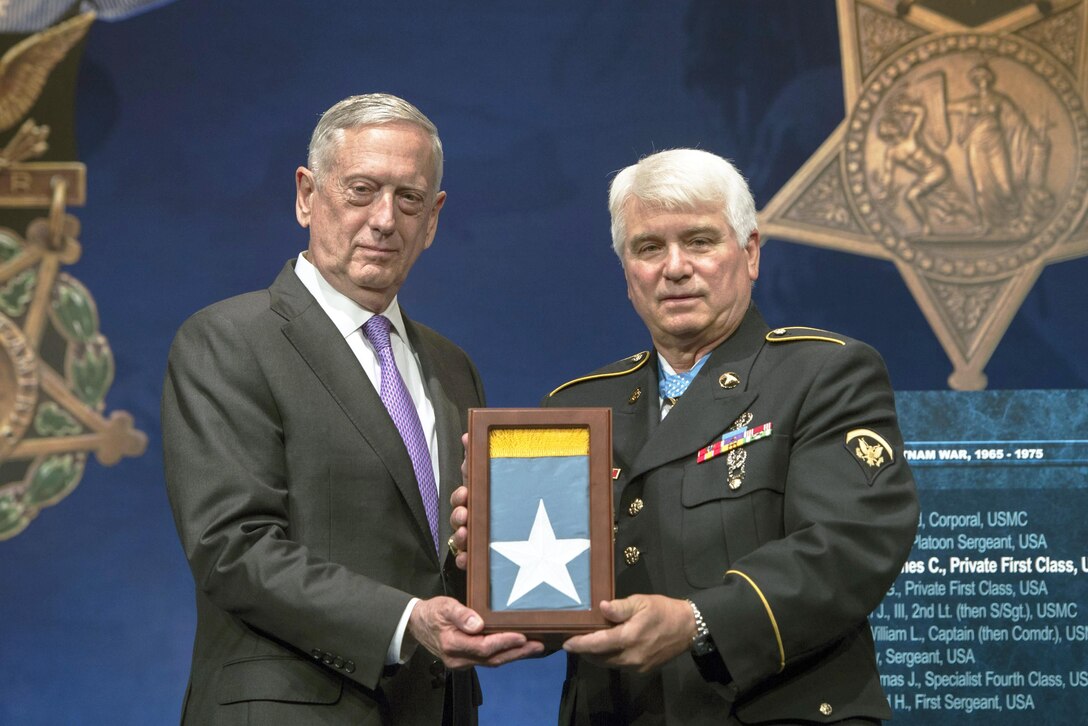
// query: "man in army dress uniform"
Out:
[762,503]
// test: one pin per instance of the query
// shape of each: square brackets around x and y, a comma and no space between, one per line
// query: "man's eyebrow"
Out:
[708,229]
[644,237]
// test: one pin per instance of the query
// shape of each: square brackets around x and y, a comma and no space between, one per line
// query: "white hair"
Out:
[682,179]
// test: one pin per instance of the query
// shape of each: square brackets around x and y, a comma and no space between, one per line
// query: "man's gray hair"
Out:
[371,109]
[680,180]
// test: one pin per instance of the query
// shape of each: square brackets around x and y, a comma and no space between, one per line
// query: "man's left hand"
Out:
[454,633]
[459,522]
[650,630]
[459,513]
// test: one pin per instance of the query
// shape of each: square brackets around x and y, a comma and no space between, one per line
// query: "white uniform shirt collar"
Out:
[346,314]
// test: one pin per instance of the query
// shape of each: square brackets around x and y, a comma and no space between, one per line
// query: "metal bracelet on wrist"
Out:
[701,642]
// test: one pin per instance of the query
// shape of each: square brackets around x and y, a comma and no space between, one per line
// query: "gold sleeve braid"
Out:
[770,615]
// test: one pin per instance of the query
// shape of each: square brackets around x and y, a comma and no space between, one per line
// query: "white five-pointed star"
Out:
[542,559]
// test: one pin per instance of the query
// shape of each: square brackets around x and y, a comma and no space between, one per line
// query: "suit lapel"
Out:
[706,409]
[691,425]
[448,428]
[320,344]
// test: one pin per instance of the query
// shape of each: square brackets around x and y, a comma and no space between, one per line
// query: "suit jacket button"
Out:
[316,654]
[338,663]
[349,666]
[327,658]
[438,674]
[825,709]
[631,555]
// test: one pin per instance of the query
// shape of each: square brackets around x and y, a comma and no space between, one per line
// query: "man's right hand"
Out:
[453,633]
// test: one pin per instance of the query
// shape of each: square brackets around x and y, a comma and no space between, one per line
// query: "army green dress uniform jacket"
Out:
[785,548]
[301,518]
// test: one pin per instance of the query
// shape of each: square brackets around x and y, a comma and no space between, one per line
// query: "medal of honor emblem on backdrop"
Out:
[962,159]
[55,365]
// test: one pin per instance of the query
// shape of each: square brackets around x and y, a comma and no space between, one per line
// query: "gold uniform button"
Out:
[631,555]
[635,507]
[825,709]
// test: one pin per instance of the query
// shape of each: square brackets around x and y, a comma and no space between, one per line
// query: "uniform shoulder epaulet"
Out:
[630,364]
[801,332]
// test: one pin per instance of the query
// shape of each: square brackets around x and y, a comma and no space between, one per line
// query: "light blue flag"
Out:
[540,533]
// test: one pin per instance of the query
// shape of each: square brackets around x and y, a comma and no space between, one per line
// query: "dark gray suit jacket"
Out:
[300,516]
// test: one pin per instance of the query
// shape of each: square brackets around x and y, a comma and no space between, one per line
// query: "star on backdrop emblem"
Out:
[963,159]
[542,559]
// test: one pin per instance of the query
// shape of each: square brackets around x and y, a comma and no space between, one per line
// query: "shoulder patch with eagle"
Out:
[871,451]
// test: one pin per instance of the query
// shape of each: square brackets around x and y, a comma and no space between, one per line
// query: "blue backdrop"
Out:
[192,118]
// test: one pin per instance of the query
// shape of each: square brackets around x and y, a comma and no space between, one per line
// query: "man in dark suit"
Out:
[762,503]
[311,436]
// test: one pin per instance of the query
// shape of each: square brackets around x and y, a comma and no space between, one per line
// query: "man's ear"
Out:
[752,253]
[305,187]
[432,223]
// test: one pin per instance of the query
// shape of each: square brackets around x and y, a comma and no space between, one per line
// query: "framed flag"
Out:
[540,519]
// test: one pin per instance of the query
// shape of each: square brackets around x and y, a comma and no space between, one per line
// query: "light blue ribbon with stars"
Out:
[673,386]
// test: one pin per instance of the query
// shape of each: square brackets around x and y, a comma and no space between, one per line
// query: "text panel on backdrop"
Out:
[989,618]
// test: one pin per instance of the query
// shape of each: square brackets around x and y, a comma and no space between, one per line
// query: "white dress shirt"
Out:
[349,317]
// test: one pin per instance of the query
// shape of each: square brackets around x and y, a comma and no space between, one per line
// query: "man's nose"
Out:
[382,213]
[677,265]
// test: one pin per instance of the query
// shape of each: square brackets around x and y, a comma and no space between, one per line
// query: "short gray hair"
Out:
[371,109]
[681,179]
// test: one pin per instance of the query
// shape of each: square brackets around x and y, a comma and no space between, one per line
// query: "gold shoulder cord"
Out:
[639,359]
[784,335]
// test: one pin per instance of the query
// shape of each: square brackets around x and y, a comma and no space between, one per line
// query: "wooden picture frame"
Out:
[490,431]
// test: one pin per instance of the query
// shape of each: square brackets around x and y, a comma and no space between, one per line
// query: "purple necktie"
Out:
[398,402]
